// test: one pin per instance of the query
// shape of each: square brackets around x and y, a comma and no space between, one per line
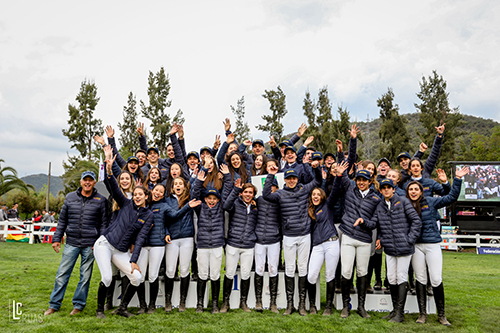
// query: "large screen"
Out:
[482,182]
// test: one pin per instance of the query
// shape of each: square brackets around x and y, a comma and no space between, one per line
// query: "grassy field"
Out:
[27,273]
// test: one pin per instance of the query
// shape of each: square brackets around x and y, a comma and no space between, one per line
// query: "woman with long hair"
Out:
[237,167]
[179,235]
[132,166]
[259,166]
[428,254]
[153,178]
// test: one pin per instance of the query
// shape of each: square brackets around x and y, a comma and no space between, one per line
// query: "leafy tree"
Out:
[83,126]
[73,171]
[10,181]
[277,104]
[242,131]
[158,90]
[482,147]
[434,110]
[393,133]
[128,136]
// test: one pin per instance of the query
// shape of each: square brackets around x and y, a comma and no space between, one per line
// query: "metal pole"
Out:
[48,192]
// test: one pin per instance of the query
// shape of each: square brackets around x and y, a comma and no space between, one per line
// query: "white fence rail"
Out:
[494,241]
[27,228]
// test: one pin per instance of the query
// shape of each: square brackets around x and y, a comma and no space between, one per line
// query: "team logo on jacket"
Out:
[425,207]
[97,198]
[156,210]
[321,211]
[374,197]
[397,203]
[141,221]
[426,188]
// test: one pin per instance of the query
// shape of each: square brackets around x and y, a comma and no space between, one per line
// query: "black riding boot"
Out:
[330,290]
[311,292]
[258,281]
[141,294]
[273,289]
[400,313]
[439,299]
[201,286]
[185,281]
[422,303]
[215,284]
[153,294]
[345,285]
[109,294]
[394,298]
[124,285]
[245,287]
[226,294]
[101,298]
[361,283]
[129,293]
[169,288]
[302,295]
[290,287]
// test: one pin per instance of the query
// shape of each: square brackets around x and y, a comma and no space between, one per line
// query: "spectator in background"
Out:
[83,218]
[13,213]
[3,217]
[45,219]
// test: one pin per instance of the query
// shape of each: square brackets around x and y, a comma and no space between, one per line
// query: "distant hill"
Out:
[40,180]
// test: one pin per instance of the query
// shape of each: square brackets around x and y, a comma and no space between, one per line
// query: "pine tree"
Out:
[82,124]
[128,136]
[158,90]
[273,123]
[434,110]
[393,133]
[321,125]
[242,131]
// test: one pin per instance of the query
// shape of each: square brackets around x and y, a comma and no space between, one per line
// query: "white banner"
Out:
[258,182]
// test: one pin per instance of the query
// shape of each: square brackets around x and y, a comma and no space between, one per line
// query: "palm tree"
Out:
[9,181]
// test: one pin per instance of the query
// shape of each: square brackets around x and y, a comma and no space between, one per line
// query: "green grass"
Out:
[27,275]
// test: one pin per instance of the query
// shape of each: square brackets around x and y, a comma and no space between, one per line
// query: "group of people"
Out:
[332,210]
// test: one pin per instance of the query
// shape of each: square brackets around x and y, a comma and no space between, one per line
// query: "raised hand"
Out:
[315,164]
[100,140]
[201,175]
[342,167]
[217,142]
[442,175]
[272,142]
[324,174]
[302,129]
[193,203]
[237,183]
[308,141]
[109,164]
[140,129]
[462,172]
[423,147]
[109,131]
[227,124]
[440,129]
[180,131]
[108,152]
[174,129]
[273,169]
[340,146]
[230,138]
[247,143]
[224,169]
[354,131]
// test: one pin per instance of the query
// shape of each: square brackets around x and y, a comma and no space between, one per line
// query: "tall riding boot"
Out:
[169,288]
[290,288]
[394,297]
[101,298]
[124,285]
[226,294]
[338,278]
[330,290]
[109,295]
[258,281]
[302,295]
[129,293]
[184,291]
[141,294]
[153,294]
[361,283]
[439,299]
[311,292]
[400,313]
[345,285]
[201,286]
[411,279]
[194,266]
[422,303]
[215,284]
[371,268]
[378,271]
[245,287]
[273,289]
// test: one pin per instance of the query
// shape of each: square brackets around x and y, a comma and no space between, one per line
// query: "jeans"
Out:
[69,257]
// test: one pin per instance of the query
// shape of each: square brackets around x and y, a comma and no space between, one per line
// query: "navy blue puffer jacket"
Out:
[398,226]
[268,222]
[179,220]
[431,187]
[83,219]
[132,223]
[323,227]
[210,220]
[241,232]
[294,203]
[156,236]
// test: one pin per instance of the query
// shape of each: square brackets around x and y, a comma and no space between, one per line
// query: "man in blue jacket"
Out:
[83,218]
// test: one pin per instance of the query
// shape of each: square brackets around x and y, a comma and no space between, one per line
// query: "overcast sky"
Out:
[215,52]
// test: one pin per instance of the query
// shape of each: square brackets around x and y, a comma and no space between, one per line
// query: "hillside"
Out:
[40,180]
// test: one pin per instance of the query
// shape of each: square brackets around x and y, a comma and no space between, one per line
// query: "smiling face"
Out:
[290,156]
[383,168]
[178,186]
[142,158]
[387,192]
[236,161]
[258,149]
[269,164]
[291,182]
[259,160]
[154,175]
[393,175]
[362,183]
[87,185]
[316,197]
[132,166]
[404,162]
[158,192]
[125,182]
[329,160]
[170,151]
[232,147]
[307,156]
[416,169]
[175,170]
[211,163]
[211,200]
[153,157]
[192,162]
[370,168]
[247,195]
[140,197]
[414,192]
